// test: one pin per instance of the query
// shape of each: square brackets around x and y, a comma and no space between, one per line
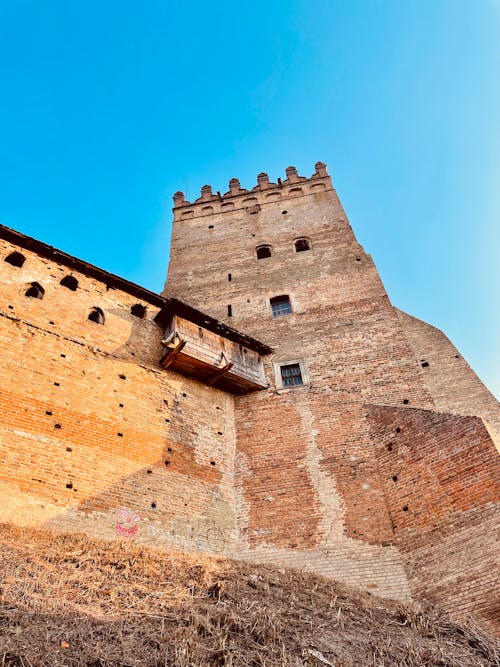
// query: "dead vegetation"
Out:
[68,600]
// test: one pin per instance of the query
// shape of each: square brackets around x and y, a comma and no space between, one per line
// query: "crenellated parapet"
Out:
[263,193]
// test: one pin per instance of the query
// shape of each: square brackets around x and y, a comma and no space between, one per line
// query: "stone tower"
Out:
[343,462]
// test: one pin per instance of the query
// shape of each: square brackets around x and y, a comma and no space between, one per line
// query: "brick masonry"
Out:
[91,426]
[310,485]
[378,471]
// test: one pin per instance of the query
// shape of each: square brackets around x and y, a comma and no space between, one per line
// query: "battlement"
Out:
[263,193]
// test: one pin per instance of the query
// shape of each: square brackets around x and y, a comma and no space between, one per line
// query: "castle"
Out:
[271,405]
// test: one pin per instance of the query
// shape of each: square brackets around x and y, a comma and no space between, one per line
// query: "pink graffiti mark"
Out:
[127,526]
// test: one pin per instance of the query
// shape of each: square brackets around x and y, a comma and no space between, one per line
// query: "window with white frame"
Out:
[290,374]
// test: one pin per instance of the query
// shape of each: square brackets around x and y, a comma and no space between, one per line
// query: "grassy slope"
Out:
[68,600]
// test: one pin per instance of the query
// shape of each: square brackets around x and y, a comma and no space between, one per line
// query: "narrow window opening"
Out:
[263,251]
[301,245]
[281,305]
[70,282]
[96,315]
[229,277]
[138,310]
[15,259]
[291,375]
[35,291]
[229,310]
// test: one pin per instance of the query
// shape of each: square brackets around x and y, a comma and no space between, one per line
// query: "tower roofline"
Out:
[264,192]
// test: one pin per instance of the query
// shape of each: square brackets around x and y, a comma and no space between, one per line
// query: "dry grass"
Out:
[68,600]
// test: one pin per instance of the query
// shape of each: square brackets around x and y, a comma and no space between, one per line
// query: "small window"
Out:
[229,310]
[96,315]
[263,251]
[16,259]
[138,310]
[301,245]
[70,282]
[291,375]
[35,291]
[281,305]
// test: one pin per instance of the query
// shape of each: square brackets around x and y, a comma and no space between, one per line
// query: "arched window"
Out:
[138,310]
[35,291]
[16,259]
[96,315]
[280,305]
[302,244]
[70,282]
[263,251]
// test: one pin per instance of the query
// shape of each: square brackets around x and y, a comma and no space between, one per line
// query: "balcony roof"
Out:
[175,307]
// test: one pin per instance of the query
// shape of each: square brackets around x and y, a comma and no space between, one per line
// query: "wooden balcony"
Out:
[222,358]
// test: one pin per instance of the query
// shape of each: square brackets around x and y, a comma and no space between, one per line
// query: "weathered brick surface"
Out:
[90,424]
[441,479]
[309,486]
[361,474]
[450,380]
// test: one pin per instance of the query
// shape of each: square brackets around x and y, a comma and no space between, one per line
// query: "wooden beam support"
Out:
[218,374]
[173,349]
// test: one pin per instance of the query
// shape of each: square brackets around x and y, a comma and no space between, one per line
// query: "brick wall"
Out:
[96,437]
[306,478]
[309,493]
[91,425]
[441,477]
[449,379]
[309,484]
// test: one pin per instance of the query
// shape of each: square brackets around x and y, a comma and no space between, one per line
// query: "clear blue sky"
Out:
[107,108]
